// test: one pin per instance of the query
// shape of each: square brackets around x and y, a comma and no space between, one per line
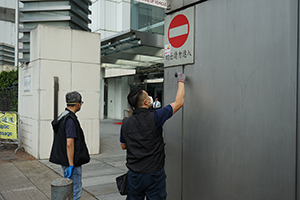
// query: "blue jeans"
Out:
[77,184]
[151,185]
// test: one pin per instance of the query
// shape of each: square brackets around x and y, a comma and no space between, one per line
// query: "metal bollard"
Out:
[62,189]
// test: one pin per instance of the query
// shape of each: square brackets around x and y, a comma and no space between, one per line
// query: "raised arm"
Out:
[179,99]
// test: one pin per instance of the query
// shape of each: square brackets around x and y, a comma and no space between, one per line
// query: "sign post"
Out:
[179,38]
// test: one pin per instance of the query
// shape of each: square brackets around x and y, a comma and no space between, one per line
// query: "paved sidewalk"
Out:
[31,179]
[7,153]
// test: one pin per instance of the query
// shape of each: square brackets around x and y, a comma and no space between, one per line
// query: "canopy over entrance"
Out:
[133,50]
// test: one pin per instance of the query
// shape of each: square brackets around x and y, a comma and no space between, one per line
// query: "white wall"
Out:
[8,3]
[110,17]
[73,56]
[7,30]
[6,68]
[118,89]
[7,33]
[111,98]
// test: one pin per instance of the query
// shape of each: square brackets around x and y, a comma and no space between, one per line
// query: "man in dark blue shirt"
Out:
[141,136]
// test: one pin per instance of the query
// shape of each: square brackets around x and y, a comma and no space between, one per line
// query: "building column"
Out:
[74,58]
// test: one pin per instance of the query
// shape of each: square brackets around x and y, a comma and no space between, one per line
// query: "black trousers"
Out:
[151,185]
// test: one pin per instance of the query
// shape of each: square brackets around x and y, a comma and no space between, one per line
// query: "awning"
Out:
[133,50]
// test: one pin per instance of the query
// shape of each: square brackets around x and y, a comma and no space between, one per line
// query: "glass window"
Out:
[147,18]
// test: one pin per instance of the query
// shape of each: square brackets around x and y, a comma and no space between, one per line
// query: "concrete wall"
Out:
[8,3]
[7,36]
[110,17]
[73,57]
[236,136]
[7,25]
[6,67]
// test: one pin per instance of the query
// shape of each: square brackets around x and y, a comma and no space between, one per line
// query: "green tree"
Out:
[8,78]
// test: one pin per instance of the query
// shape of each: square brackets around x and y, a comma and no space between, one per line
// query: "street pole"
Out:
[17,35]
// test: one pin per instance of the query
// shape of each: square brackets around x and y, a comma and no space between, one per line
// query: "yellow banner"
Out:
[8,126]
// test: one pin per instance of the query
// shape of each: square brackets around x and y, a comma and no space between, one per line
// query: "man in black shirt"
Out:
[141,136]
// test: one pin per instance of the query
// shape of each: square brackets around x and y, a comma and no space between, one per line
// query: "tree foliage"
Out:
[8,78]
[7,92]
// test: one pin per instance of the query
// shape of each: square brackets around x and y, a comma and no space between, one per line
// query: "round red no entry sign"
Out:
[178,30]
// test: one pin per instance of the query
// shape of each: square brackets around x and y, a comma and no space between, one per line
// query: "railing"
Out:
[9,98]
[9,104]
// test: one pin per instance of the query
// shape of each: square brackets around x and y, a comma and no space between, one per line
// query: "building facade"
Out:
[7,34]
[68,14]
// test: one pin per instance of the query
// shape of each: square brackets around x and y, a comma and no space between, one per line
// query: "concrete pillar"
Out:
[74,57]
[62,189]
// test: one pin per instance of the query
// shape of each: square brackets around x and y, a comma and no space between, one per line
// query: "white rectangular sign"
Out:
[157,3]
[27,80]
[179,38]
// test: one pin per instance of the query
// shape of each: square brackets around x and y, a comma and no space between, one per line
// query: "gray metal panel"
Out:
[298,120]
[242,136]
[173,135]
[239,119]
